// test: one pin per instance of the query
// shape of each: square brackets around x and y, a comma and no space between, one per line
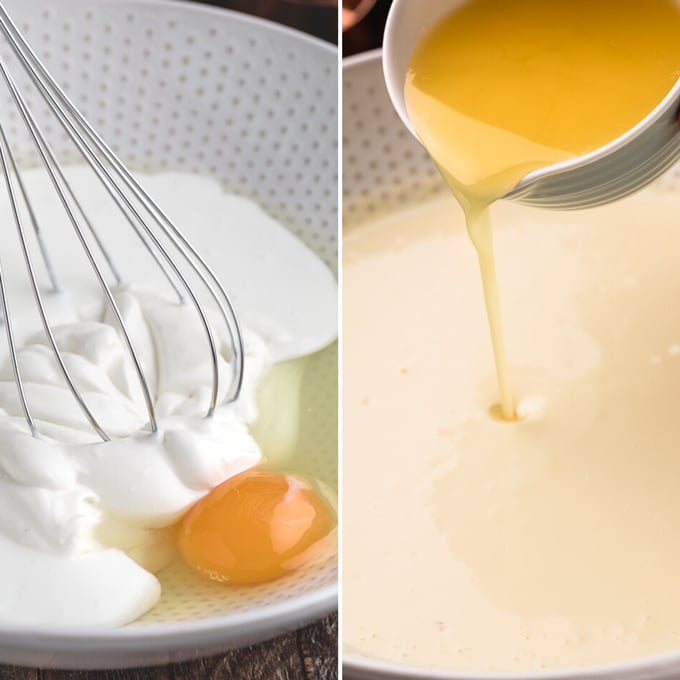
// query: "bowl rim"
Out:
[352,60]
[200,633]
[248,19]
[321,602]
[375,669]
[654,117]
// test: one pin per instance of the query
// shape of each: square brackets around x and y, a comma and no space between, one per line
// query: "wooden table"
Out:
[307,654]
[368,33]
[318,17]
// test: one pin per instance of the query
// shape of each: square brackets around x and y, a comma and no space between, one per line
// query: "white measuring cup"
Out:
[613,171]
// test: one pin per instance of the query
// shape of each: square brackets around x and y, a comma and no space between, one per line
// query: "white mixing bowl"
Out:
[178,86]
[385,167]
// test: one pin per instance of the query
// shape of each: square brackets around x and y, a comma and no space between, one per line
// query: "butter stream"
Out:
[84,523]
[494,93]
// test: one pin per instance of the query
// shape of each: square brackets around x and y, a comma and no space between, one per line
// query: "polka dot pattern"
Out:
[175,86]
[184,87]
[186,596]
[383,165]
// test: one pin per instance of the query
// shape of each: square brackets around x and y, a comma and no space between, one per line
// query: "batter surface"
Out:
[549,542]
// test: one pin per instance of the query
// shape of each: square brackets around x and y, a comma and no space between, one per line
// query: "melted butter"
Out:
[499,89]
[548,544]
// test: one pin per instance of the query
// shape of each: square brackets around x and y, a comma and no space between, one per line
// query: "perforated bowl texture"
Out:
[179,86]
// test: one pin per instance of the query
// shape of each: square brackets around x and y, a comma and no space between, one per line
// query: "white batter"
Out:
[84,523]
[551,542]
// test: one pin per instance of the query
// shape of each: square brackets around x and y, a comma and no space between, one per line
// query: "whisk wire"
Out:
[168,228]
[13,358]
[45,155]
[118,182]
[6,152]
[117,278]
[5,309]
[47,260]
[55,173]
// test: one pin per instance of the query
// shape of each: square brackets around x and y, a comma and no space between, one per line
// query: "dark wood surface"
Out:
[318,17]
[367,34]
[310,653]
[307,654]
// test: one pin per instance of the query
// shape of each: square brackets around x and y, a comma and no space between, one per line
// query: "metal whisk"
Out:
[141,212]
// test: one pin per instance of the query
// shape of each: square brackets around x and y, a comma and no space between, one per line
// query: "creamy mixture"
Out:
[476,544]
[532,524]
[84,524]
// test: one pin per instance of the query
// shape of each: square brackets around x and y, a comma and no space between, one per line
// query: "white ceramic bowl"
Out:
[172,85]
[384,167]
[611,172]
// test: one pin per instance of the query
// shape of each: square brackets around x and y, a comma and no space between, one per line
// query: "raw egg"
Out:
[255,527]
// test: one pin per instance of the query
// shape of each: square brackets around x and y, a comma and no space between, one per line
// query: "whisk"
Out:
[141,212]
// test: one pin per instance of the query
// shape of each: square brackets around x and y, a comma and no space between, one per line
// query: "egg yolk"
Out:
[255,527]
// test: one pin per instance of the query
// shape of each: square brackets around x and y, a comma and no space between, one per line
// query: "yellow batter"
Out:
[474,539]
[549,542]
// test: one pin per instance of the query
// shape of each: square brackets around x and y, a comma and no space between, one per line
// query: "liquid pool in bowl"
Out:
[388,174]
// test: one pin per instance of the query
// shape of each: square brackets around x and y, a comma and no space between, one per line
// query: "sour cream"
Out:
[85,523]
